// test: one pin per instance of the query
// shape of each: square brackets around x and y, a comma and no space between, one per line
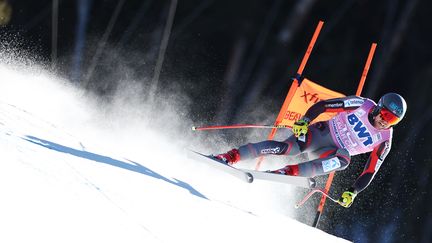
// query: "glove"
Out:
[347,198]
[300,127]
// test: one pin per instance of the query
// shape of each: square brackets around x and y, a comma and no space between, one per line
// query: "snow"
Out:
[73,170]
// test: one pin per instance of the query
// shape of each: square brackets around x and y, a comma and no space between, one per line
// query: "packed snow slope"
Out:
[75,169]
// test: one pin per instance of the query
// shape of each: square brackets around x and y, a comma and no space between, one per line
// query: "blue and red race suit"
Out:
[330,144]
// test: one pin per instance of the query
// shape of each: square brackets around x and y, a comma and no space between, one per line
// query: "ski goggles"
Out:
[389,117]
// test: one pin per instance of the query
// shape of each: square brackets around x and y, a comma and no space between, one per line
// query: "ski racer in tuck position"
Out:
[360,126]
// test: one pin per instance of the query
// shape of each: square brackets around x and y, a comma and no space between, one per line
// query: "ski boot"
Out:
[291,170]
[231,157]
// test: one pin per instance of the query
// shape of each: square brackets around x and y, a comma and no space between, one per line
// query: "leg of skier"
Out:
[324,154]
[288,147]
[331,159]
[317,137]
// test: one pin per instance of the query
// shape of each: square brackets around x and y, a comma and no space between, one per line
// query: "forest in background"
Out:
[234,60]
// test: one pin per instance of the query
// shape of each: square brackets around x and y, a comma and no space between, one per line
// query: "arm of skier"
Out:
[348,103]
[374,162]
[372,166]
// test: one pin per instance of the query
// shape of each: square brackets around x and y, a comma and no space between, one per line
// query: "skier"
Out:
[360,126]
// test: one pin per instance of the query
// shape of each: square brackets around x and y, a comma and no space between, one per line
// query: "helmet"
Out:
[392,108]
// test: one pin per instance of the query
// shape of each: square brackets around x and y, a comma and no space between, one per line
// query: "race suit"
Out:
[330,144]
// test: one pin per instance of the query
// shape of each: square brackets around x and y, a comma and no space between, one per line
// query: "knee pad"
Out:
[344,157]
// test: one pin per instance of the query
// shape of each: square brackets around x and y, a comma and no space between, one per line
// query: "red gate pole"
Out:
[331,175]
[293,87]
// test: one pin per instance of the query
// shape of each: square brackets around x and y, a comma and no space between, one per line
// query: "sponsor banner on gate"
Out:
[307,94]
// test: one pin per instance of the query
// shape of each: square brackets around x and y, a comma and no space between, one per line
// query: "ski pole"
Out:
[299,204]
[195,128]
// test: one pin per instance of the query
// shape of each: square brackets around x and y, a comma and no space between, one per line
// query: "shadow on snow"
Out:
[135,167]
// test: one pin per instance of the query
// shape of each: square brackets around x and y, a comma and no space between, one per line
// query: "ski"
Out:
[249,175]
[220,165]
[298,181]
